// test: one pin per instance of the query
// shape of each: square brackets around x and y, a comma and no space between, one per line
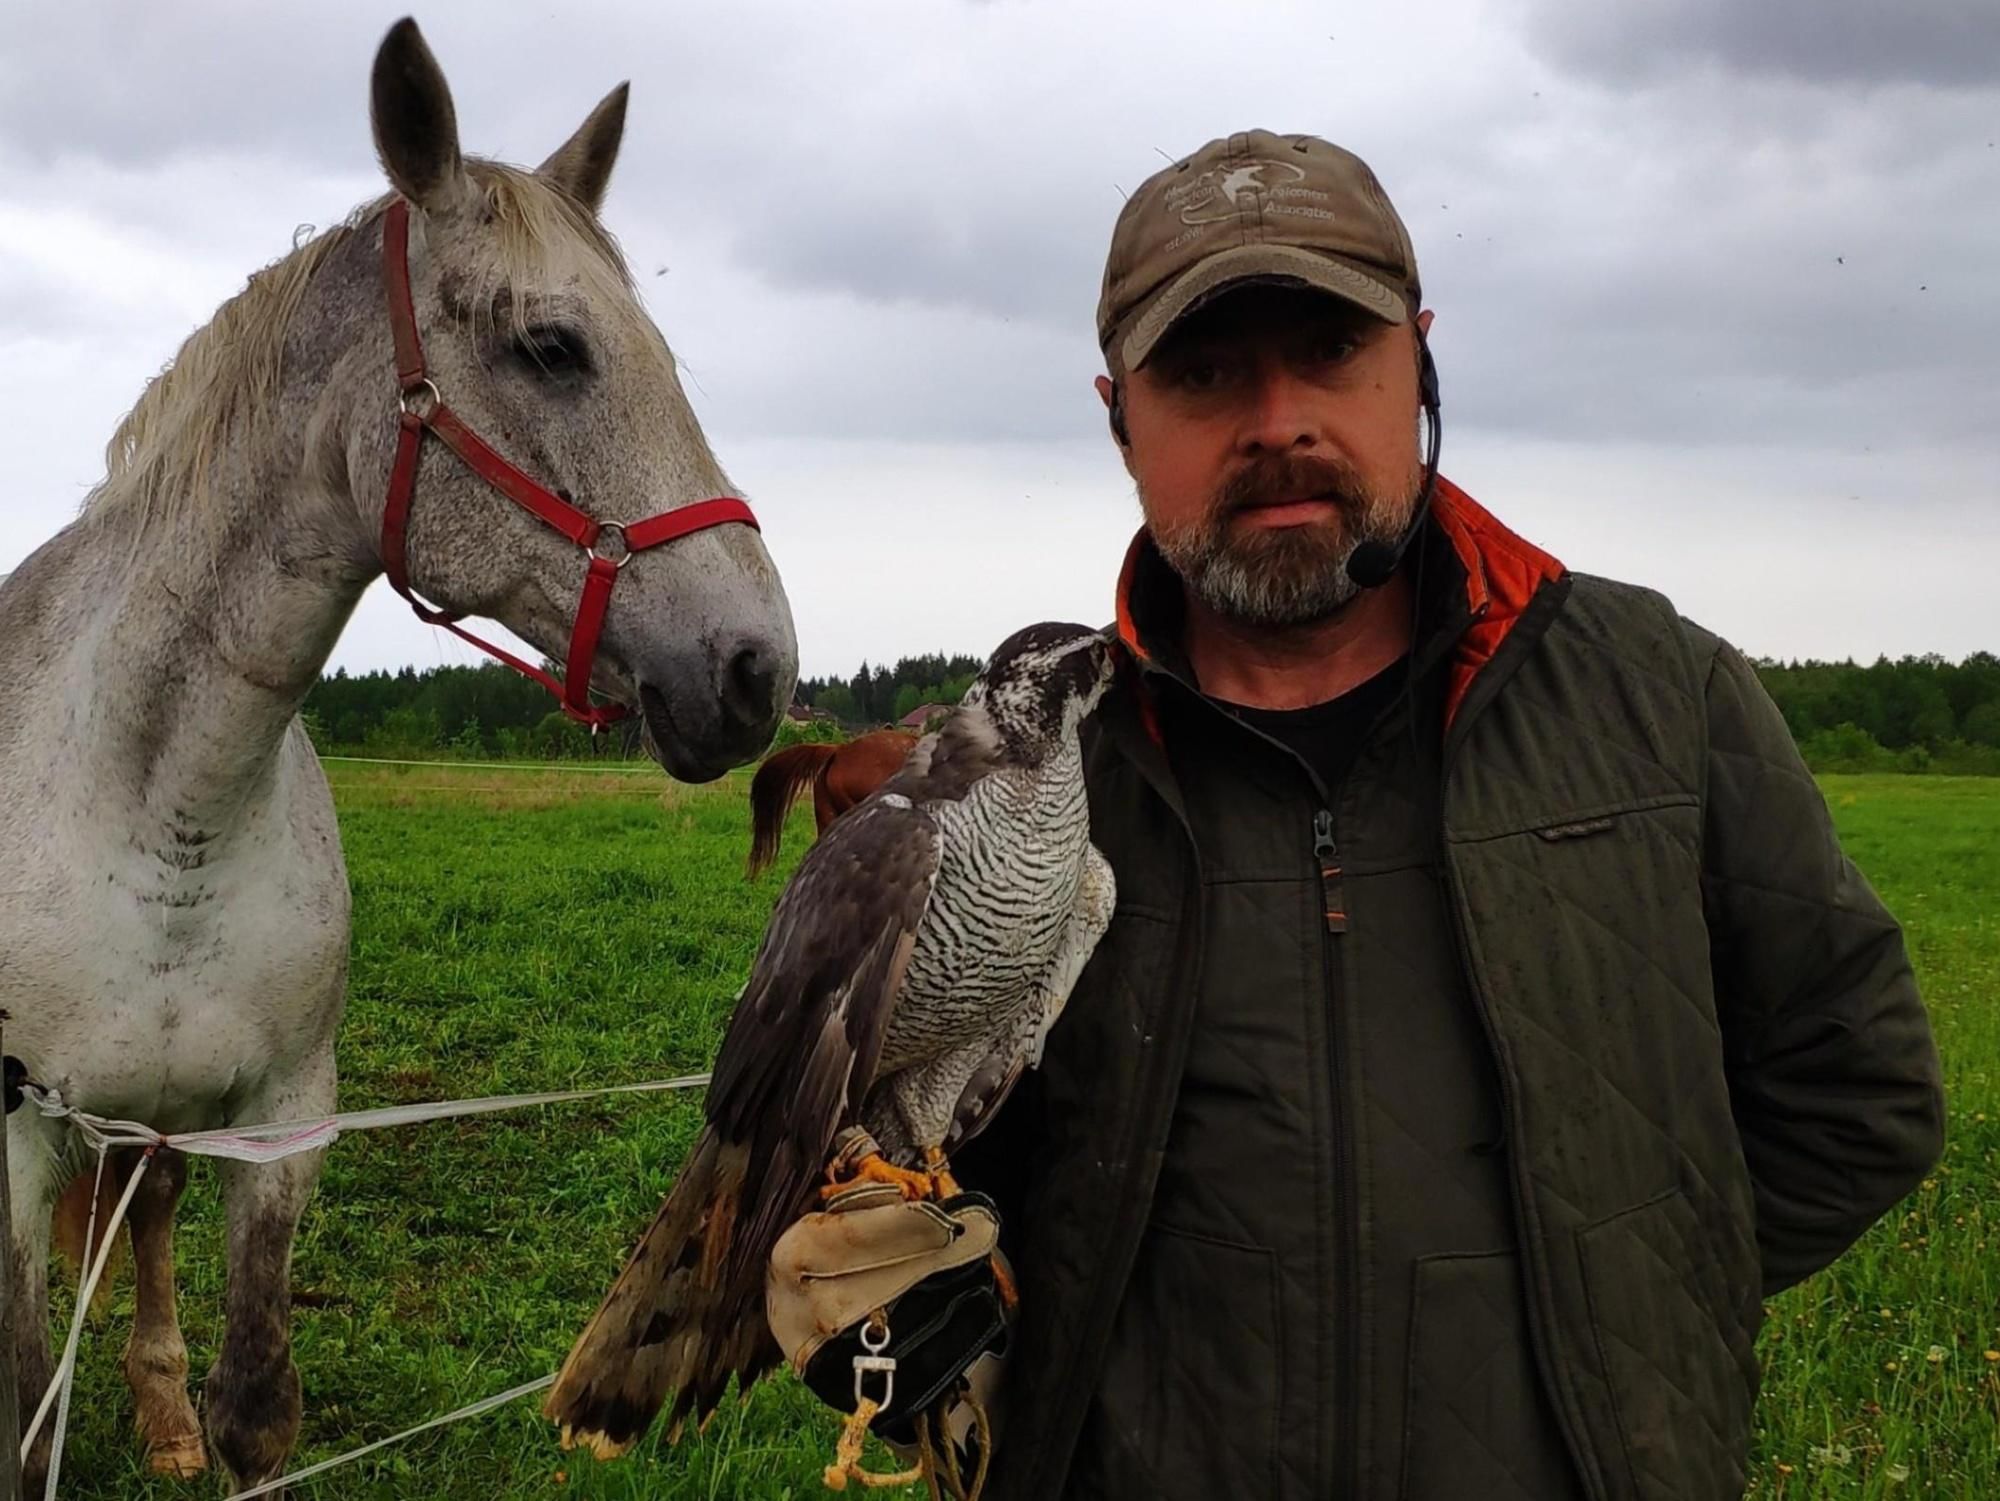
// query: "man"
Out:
[1490,1020]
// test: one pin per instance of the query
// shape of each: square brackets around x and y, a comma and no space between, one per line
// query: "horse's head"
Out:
[535,338]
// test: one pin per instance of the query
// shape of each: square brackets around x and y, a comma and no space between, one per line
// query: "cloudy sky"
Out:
[1714,282]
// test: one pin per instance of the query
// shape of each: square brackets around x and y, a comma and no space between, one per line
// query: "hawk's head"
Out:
[1041,682]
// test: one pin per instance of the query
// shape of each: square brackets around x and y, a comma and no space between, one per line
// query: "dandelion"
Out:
[1890,1365]
[1992,1355]
[1896,1474]
[1935,1354]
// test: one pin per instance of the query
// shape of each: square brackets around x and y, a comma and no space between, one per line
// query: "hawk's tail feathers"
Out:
[654,1335]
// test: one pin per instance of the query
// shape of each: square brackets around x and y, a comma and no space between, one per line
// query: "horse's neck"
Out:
[202,645]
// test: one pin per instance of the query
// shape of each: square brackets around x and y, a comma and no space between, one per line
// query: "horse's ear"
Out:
[581,166]
[416,129]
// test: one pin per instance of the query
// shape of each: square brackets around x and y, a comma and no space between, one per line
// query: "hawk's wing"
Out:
[804,1042]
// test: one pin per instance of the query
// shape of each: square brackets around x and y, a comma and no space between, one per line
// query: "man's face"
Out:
[1272,432]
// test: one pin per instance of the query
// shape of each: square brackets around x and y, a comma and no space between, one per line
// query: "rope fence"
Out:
[265,1142]
[596,768]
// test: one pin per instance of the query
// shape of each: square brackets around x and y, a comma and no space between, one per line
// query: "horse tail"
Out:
[71,1223]
[774,789]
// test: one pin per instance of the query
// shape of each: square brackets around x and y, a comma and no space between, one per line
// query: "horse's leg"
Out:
[35,1176]
[253,1389]
[156,1358]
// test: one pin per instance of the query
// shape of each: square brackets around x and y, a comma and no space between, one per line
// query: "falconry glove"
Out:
[894,1300]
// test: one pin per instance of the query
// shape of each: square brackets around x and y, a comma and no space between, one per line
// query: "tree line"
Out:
[884,695]
[1913,714]
[490,711]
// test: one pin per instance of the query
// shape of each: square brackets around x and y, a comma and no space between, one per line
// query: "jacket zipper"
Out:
[1346,1299]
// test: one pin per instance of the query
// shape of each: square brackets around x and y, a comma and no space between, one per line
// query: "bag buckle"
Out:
[874,1338]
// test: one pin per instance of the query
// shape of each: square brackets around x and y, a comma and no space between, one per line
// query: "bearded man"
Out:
[1490,1020]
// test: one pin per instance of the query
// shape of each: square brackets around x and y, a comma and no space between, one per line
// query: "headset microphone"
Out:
[1373,564]
[1117,415]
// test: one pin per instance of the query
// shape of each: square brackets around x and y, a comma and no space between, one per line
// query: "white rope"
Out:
[266,1142]
[272,1140]
[59,1385]
[484,1404]
[590,766]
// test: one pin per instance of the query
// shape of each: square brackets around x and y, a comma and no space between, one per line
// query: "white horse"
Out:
[173,903]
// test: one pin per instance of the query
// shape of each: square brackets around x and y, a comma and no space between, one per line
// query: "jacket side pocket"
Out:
[1678,1389]
[1476,1422]
[1191,1389]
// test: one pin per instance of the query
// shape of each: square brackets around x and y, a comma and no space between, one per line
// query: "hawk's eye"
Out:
[551,350]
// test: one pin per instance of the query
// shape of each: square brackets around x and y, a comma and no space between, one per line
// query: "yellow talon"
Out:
[943,1185]
[873,1169]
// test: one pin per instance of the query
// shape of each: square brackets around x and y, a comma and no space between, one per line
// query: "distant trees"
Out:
[883,695]
[488,711]
[1915,714]
[466,712]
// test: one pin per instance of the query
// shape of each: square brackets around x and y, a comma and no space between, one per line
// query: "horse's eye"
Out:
[552,351]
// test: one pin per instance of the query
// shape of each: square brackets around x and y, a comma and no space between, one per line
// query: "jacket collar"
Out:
[1498,571]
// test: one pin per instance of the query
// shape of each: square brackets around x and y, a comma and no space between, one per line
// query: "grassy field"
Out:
[520,930]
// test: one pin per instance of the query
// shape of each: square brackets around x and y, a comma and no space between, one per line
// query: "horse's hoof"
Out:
[180,1458]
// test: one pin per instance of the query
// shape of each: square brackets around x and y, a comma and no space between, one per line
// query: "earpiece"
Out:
[1117,415]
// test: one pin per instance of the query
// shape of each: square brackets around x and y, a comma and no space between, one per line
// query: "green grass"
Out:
[523,930]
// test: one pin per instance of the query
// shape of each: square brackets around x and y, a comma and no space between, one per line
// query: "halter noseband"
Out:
[609,545]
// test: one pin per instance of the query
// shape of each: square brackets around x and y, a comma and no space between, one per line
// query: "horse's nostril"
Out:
[750,684]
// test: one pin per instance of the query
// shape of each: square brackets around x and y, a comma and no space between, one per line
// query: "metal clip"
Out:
[875,1339]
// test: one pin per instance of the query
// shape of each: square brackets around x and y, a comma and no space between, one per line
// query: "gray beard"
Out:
[1294,577]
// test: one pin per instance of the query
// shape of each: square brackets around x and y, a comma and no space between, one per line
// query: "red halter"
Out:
[423,408]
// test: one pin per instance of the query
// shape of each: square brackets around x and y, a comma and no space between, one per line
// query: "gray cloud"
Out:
[1657,265]
[1939,42]
[1675,230]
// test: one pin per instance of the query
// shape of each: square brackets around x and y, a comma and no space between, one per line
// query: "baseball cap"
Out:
[1255,206]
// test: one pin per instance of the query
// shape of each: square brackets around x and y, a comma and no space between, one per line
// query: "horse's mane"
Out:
[224,378]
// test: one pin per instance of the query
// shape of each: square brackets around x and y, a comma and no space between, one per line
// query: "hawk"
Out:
[910,971]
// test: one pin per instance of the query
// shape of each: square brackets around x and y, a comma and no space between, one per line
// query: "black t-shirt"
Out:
[1327,736]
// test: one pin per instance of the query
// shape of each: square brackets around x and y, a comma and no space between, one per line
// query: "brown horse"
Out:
[841,776]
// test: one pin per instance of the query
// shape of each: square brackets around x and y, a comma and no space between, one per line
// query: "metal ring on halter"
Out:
[403,402]
[596,548]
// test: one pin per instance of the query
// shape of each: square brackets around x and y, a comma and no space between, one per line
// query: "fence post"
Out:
[10,1402]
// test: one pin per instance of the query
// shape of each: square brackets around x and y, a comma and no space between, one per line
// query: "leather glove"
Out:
[926,1268]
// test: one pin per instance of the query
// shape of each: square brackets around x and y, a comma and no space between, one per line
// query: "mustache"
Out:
[1287,476]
